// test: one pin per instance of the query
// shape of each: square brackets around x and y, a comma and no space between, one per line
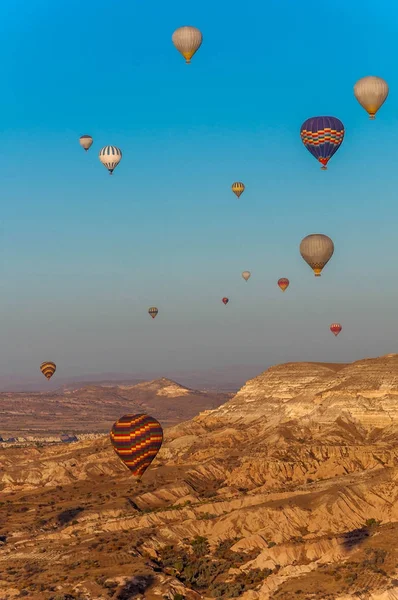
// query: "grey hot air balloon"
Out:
[371,93]
[86,141]
[110,156]
[246,275]
[317,249]
[187,40]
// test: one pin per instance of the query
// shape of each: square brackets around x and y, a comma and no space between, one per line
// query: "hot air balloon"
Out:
[238,188]
[322,136]
[86,141]
[317,249]
[335,328]
[153,311]
[371,93]
[48,369]
[187,40]
[225,300]
[137,439]
[110,156]
[283,283]
[246,275]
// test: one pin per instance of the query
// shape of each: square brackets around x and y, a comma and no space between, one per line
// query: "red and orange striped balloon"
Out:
[136,440]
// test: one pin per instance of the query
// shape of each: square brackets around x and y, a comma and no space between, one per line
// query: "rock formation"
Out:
[287,490]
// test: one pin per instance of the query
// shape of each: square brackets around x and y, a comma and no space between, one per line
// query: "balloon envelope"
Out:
[136,440]
[371,93]
[283,283]
[246,275]
[86,141]
[238,188]
[110,156]
[187,40]
[322,136]
[48,369]
[153,311]
[225,300]
[317,249]
[335,328]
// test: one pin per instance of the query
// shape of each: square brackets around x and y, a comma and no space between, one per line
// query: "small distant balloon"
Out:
[86,141]
[371,93]
[238,188]
[110,156]
[48,369]
[317,249]
[153,311]
[322,136]
[225,300]
[283,283]
[335,328]
[246,275]
[187,40]
[137,439]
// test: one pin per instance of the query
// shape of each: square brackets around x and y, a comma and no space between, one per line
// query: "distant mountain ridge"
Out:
[93,408]
[219,379]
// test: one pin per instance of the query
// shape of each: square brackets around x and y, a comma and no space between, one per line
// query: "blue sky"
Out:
[83,255]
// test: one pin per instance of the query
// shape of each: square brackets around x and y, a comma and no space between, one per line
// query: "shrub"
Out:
[68,515]
[200,546]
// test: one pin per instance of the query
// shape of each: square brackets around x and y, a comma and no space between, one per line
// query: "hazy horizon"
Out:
[83,255]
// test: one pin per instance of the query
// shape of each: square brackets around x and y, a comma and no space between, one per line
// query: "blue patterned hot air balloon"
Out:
[322,136]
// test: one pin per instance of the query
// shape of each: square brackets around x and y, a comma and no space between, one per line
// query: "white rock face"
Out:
[366,391]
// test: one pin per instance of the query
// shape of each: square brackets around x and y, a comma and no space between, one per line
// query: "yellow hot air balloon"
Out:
[187,40]
[48,369]
[371,93]
[246,275]
[86,141]
[317,249]
[238,188]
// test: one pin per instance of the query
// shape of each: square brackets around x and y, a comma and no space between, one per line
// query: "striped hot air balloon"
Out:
[335,328]
[110,156]
[86,141]
[283,283]
[153,311]
[48,369]
[225,300]
[238,188]
[322,136]
[136,440]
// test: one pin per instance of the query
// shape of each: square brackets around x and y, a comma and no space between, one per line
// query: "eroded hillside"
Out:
[289,490]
